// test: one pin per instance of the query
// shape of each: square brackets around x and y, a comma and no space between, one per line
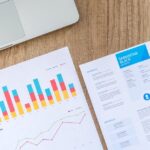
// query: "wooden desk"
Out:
[105,26]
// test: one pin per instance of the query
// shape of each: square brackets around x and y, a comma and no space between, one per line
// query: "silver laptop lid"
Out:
[10,25]
[22,20]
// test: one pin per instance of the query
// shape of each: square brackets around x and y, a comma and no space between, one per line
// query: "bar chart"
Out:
[58,91]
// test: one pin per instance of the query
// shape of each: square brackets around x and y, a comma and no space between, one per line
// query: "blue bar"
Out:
[37,86]
[132,56]
[71,85]
[60,78]
[5,89]
[14,92]
[30,89]
[48,92]
[2,106]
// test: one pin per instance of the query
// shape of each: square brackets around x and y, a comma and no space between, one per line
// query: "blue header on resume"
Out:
[132,56]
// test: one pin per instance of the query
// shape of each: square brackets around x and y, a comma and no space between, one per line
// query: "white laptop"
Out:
[21,20]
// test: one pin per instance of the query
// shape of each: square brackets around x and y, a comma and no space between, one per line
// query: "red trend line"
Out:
[54,135]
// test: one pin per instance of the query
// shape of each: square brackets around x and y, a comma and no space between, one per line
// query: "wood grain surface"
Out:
[105,26]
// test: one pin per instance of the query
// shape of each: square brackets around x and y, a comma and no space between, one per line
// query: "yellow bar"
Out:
[74,94]
[35,105]
[51,102]
[29,109]
[65,94]
[57,95]
[6,117]
[0,120]
[20,108]
[43,103]
[13,114]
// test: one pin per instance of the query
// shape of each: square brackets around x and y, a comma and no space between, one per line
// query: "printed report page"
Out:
[42,106]
[119,87]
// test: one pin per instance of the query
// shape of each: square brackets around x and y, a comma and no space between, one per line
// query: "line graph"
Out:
[32,141]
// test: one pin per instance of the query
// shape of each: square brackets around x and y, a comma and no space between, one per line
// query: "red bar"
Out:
[41,96]
[50,97]
[27,105]
[9,101]
[33,98]
[5,113]
[54,85]
[16,99]
[72,90]
[63,87]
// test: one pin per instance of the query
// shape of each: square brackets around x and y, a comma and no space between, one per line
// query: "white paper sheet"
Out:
[59,120]
[119,87]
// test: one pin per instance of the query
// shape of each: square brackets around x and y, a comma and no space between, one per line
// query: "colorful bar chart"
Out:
[38,97]
[40,93]
[63,86]
[49,96]
[72,89]
[28,107]
[56,91]
[9,101]
[18,102]
[4,111]
[32,96]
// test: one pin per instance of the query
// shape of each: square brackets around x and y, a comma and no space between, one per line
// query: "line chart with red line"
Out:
[52,137]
